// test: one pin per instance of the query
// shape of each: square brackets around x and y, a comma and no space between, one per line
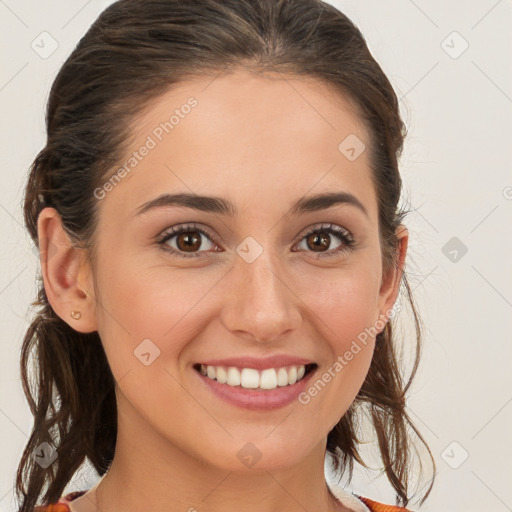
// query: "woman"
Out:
[216,210]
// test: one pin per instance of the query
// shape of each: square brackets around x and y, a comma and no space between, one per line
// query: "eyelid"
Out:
[346,238]
[325,226]
[173,231]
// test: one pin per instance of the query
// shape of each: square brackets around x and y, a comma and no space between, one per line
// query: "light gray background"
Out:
[456,169]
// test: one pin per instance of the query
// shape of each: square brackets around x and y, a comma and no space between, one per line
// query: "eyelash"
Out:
[341,234]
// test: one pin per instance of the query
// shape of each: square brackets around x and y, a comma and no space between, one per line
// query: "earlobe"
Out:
[390,286]
[65,274]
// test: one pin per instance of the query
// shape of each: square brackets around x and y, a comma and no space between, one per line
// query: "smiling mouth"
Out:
[250,378]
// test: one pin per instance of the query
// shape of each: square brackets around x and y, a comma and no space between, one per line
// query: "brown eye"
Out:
[319,240]
[186,241]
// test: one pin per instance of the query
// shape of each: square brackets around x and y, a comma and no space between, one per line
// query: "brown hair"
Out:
[134,52]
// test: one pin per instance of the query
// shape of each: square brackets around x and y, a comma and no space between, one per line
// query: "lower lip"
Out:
[264,399]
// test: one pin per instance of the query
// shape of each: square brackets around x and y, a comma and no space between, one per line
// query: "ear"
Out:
[66,273]
[390,286]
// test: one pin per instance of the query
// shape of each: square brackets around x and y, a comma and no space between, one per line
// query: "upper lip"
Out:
[258,363]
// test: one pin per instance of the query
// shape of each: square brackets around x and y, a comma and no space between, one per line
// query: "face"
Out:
[253,282]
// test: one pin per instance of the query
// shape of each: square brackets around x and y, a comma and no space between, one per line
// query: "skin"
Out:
[262,142]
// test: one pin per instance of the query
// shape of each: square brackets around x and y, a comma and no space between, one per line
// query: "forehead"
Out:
[246,136]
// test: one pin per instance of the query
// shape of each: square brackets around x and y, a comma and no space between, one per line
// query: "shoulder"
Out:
[61,505]
[375,506]
[358,503]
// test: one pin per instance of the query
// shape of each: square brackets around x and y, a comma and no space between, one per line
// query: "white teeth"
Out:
[282,377]
[268,379]
[250,378]
[233,376]
[222,375]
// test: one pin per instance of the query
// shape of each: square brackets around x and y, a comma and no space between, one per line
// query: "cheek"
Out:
[345,303]
[140,304]
[345,312]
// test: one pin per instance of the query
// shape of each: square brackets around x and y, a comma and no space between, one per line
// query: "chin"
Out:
[261,455]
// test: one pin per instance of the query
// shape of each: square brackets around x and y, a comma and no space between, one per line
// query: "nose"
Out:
[261,305]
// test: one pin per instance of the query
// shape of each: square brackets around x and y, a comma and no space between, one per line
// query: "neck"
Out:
[178,484]
[149,472]
[145,477]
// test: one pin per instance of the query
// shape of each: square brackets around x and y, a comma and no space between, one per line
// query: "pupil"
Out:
[324,241]
[190,241]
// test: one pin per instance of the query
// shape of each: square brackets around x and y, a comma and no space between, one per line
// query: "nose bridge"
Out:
[263,305]
[261,278]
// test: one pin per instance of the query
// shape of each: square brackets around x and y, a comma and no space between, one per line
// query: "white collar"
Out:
[347,498]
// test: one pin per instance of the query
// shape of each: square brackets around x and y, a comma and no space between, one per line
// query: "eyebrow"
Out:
[223,207]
